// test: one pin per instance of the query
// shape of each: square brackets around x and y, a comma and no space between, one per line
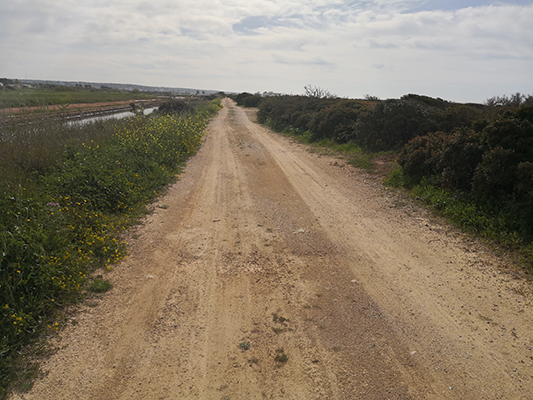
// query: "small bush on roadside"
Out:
[337,121]
[397,178]
[285,112]
[252,101]
[100,286]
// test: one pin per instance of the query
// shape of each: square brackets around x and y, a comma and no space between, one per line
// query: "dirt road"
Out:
[269,272]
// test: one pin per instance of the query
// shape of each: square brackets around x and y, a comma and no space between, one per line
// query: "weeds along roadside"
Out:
[67,192]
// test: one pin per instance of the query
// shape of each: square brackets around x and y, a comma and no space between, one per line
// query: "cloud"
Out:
[343,45]
[298,61]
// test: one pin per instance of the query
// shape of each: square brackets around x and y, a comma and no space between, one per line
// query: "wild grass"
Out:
[497,226]
[41,97]
[66,194]
[99,285]
[352,152]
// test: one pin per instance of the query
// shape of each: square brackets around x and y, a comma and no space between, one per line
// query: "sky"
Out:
[464,51]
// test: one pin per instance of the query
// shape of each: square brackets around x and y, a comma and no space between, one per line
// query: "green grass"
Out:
[351,152]
[100,286]
[45,97]
[396,178]
[470,215]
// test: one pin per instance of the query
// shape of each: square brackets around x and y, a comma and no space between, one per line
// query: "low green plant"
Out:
[279,319]
[281,357]
[396,178]
[362,161]
[100,286]
[495,224]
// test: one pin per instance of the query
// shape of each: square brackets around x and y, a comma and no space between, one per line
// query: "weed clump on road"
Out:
[281,357]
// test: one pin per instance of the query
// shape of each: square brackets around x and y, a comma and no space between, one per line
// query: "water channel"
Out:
[119,115]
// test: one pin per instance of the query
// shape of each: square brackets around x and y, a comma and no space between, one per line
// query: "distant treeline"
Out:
[478,153]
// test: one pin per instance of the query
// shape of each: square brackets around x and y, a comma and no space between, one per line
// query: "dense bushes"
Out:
[491,162]
[297,113]
[449,158]
[62,220]
[247,99]
[392,123]
[374,125]
[175,107]
[337,122]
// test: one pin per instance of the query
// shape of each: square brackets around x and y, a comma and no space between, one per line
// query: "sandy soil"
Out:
[265,249]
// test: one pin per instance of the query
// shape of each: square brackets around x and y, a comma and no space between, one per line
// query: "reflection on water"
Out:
[9,130]
[119,115]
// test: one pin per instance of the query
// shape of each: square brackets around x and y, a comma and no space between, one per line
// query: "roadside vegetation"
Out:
[472,163]
[479,176]
[67,191]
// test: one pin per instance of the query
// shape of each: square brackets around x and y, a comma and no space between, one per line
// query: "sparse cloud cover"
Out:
[457,50]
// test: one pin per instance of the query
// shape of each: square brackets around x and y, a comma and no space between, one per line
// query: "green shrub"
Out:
[252,101]
[481,177]
[459,116]
[392,123]
[100,286]
[495,176]
[291,111]
[337,121]
[396,178]
[247,99]
[175,107]
[461,153]
[420,157]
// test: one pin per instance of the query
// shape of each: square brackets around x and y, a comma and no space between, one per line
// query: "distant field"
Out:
[40,97]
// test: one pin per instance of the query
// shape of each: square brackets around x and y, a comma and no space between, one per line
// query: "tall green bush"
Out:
[296,112]
[337,122]
[392,123]
[492,161]
[247,99]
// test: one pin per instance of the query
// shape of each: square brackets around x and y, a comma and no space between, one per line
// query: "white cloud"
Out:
[351,47]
